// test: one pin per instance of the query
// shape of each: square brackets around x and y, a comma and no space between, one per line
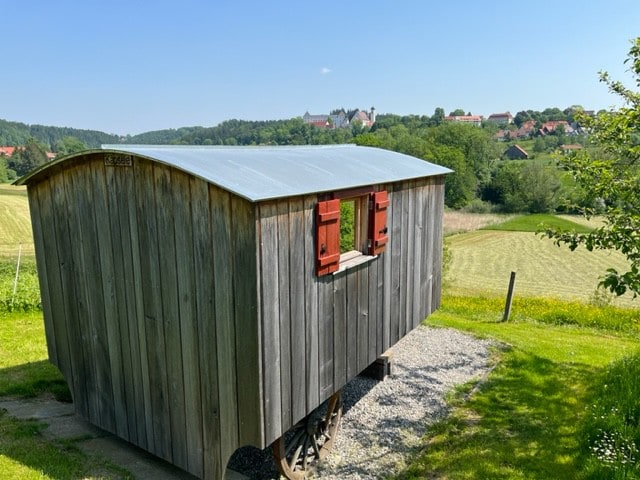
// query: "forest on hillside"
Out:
[483,179]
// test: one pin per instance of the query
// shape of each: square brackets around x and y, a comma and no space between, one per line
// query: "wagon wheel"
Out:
[298,451]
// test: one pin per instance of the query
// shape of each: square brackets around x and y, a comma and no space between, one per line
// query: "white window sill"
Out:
[353,259]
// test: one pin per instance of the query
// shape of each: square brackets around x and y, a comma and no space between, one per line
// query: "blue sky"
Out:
[133,66]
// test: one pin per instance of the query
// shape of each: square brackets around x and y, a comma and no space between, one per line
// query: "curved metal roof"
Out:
[262,173]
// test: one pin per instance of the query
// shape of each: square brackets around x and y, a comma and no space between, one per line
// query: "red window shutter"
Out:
[378,222]
[327,237]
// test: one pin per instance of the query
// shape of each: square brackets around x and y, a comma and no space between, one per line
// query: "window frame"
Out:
[365,245]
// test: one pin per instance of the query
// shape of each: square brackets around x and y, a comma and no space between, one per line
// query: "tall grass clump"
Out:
[611,431]
[27,291]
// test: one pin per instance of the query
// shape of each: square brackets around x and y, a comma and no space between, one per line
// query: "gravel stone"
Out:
[383,422]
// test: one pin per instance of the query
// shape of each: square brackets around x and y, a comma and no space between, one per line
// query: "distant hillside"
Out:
[15,133]
[162,137]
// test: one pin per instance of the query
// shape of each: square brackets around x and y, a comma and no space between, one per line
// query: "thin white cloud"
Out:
[325,71]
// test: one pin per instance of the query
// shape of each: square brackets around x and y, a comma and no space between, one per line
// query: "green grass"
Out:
[483,260]
[15,221]
[23,294]
[24,373]
[525,421]
[535,222]
[23,354]
[611,431]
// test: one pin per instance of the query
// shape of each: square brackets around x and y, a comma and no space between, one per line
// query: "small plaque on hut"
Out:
[117,160]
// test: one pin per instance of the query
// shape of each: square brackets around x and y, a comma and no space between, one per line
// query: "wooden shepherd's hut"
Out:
[198,299]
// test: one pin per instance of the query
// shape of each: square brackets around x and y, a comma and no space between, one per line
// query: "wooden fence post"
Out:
[507,308]
[15,281]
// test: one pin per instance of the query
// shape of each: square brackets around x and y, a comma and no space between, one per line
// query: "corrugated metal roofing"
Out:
[262,173]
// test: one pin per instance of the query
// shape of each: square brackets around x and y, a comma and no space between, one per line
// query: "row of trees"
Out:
[478,175]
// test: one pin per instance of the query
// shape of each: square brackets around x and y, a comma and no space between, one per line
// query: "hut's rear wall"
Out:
[320,332]
[148,281]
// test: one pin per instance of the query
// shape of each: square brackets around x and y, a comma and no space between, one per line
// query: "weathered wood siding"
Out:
[148,279]
[320,332]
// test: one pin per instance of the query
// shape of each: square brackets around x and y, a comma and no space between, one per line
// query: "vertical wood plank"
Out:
[327,338]
[387,272]
[416,266]
[372,309]
[207,340]
[403,265]
[380,305]
[135,281]
[352,322]
[171,320]
[362,318]
[220,208]
[148,250]
[187,310]
[299,355]
[396,265]
[340,341]
[286,322]
[270,321]
[318,336]
[438,210]
[245,268]
[408,265]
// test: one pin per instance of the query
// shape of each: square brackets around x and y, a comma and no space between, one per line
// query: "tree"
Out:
[69,145]
[610,178]
[458,112]
[520,118]
[27,158]
[437,118]
[4,171]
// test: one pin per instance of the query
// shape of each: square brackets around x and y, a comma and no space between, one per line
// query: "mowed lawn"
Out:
[15,222]
[483,260]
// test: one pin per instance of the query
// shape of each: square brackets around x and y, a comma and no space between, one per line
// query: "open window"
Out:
[351,228]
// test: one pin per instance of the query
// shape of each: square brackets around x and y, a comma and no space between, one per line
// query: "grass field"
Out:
[483,260]
[15,223]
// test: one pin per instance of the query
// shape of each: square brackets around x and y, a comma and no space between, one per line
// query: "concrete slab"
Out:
[63,423]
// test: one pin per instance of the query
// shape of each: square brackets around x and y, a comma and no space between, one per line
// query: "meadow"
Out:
[483,259]
[560,401]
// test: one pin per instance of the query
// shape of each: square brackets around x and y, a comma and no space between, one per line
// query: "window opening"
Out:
[350,230]
[347,228]
[353,226]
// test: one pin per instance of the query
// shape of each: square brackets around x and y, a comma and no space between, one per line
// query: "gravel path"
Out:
[384,421]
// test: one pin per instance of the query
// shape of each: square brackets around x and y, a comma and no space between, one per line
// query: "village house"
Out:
[7,151]
[340,119]
[525,131]
[549,127]
[516,152]
[570,148]
[471,119]
[320,121]
[501,118]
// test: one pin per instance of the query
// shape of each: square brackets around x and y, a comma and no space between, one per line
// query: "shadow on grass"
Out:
[522,423]
[31,456]
[32,380]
